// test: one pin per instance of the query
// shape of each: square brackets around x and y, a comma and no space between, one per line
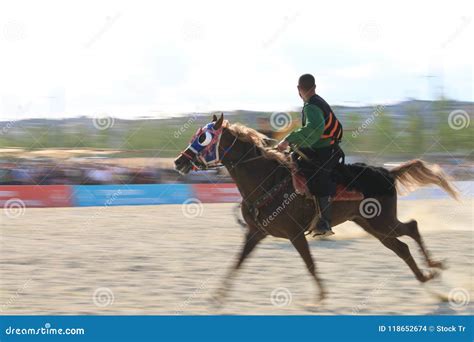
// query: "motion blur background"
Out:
[111,85]
[97,93]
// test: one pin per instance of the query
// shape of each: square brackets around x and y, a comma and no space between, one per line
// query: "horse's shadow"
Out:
[331,244]
[442,308]
[320,243]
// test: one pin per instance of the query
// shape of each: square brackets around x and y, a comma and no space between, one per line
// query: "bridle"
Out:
[207,157]
[203,159]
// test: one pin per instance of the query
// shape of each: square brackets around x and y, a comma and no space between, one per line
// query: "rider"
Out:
[317,143]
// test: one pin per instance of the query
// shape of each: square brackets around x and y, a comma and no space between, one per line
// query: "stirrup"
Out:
[326,232]
[315,233]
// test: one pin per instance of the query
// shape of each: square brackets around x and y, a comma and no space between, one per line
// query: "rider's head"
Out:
[306,86]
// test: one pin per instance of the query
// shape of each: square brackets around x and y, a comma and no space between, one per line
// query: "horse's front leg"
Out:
[301,245]
[252,238]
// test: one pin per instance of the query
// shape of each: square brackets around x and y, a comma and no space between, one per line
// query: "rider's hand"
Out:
[283,145]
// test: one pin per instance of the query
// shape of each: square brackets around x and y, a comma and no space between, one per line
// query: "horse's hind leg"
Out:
[301,244]
[411,229]
[389,240]
[403,251]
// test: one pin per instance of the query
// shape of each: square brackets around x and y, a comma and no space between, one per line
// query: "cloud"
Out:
[150,58]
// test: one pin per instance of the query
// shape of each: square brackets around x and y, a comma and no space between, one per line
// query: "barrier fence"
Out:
[40,196]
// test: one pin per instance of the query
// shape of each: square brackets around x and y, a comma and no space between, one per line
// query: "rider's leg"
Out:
[324,223]
[321,225]
[322,186]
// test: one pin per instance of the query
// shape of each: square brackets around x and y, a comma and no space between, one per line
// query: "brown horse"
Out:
[270,205]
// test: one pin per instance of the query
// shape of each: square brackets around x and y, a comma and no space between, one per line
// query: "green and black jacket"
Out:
[320,127]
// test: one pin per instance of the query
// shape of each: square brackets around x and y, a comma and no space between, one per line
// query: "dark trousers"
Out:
[319,169]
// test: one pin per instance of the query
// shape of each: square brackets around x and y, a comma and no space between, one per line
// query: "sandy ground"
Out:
[152,260]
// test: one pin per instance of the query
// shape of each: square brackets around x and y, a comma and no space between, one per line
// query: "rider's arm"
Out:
[310,134]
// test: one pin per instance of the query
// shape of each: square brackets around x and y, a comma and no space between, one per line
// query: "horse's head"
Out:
[204,149]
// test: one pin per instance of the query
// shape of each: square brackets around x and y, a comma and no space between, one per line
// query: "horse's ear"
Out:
[219,122]
[214,118]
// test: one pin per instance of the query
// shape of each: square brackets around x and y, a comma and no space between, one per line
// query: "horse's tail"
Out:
[417,173]
[237,215]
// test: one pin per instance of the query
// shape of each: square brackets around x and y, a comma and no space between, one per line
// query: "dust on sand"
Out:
[152,260]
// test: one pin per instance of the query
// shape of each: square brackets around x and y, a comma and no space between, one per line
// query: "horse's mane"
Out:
[247,134]
[370,180]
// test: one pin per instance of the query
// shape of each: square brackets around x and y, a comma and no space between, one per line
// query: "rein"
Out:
[266,198]
[218,163]
[199,162]
[233,165]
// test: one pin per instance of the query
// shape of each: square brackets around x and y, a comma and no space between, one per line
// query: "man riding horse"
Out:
[263,176]
[317,151]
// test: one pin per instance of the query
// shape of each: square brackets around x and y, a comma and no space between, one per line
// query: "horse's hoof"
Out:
[437,264]
[217,300]
[430,275]
[312,307]
[434,274]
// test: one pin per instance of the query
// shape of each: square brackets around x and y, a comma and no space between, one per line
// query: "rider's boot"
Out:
[321,224]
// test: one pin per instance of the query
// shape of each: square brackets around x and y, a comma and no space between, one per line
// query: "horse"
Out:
[270,205]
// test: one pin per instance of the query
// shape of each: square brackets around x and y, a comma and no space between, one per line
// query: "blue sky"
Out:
[150,58]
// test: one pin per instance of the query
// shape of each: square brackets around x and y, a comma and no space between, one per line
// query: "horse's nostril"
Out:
[179,162]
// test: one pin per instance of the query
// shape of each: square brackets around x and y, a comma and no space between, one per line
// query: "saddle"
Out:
[342,193]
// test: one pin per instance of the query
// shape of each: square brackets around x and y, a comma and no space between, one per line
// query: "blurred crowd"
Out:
[49,172]
[92,172]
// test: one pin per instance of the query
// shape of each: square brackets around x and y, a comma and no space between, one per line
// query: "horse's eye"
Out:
[205,138]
